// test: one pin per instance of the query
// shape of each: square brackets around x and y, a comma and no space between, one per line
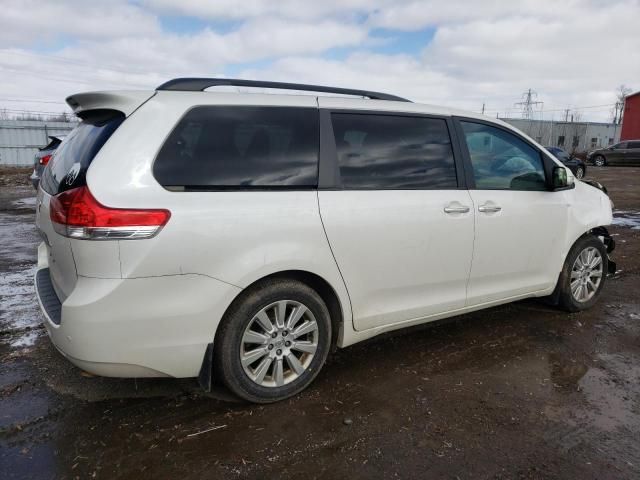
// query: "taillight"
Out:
[44,159]
[77,214]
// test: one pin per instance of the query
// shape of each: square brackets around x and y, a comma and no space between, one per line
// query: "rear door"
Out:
[520,224]
[400,228]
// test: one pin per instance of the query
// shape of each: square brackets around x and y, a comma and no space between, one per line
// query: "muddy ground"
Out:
[519,391]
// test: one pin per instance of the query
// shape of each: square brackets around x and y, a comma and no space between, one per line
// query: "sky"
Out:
[574,54]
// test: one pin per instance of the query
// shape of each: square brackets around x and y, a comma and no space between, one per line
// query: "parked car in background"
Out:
[241,236]
[577,166]
[42,158]
[623,153]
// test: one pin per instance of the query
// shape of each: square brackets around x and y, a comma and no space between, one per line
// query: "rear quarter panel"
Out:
[237,237]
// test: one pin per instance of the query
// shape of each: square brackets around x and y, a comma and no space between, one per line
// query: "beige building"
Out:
[570,136]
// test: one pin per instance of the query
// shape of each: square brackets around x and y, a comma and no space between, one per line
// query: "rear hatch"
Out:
[66,171]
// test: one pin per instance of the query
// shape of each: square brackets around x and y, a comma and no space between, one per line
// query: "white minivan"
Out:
[239,237]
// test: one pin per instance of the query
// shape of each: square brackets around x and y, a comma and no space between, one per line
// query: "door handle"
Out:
[456,209]
[489,208]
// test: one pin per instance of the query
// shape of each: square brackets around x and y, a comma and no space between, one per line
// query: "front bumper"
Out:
[142,327]
[610,245]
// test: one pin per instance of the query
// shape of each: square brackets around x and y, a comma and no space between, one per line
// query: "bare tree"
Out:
[616,112]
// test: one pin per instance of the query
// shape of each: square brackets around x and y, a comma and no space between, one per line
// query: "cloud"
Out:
[574,53]
[31,22]
[293,9]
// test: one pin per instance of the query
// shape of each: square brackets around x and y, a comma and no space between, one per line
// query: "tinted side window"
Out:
[393,152]
[633,145]
[71,160]
[502,161]
[241,147]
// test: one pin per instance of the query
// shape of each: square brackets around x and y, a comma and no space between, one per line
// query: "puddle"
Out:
[611,390]
[24,202]
[626,218]
[20,318]
[18,311]
[566,373]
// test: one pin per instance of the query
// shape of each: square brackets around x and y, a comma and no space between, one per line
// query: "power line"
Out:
[70,61]
[31,111]
[24,100]
[558,109]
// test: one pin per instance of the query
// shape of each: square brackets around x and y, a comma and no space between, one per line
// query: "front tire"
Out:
[599,161]
[583,275]
[579,173]
[273,341]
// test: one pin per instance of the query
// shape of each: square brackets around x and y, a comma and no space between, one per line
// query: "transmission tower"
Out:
[529,100]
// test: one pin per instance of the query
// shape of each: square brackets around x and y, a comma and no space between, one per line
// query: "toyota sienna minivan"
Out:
[239,237]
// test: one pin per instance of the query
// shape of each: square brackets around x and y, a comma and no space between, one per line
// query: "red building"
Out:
[631,118]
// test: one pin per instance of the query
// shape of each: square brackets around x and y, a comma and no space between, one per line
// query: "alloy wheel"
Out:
[279,343]
[579,172]
[586,274]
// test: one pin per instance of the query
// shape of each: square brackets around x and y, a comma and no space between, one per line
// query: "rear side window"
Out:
[241,147]
[633,145]
[69,165]
[393,152]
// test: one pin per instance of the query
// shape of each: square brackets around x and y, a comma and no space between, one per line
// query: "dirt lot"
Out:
[519,391]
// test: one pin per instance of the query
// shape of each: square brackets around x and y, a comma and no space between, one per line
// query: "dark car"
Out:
[42,158]
[577,166]
[623,153]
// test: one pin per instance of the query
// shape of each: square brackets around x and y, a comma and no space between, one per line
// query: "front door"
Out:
[399,228]
[631,154]
[520,224]
[617,153]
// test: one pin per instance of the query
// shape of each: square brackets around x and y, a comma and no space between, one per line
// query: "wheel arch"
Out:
[600,232]
[320,285]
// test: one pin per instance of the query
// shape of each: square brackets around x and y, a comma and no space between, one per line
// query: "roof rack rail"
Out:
[200,84]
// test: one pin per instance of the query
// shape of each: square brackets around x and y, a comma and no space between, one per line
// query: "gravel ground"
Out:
[519,391]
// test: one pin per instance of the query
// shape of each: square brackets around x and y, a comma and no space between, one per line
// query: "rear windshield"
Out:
[221,147]
[69,165]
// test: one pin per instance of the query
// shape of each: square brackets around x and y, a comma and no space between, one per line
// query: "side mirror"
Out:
[561,179]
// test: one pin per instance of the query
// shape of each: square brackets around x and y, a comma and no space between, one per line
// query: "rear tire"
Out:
[599,161]
[583,275]
[257,351]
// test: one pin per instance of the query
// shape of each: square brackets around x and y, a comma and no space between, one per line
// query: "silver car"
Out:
[42,158]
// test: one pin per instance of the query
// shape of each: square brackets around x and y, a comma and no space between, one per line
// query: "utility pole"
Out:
[482,108]
[566,115]
[529,100]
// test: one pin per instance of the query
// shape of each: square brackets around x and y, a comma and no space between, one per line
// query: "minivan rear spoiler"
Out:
[125,101]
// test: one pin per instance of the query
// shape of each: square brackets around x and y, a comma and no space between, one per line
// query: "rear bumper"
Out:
[35,178]
[143,327]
